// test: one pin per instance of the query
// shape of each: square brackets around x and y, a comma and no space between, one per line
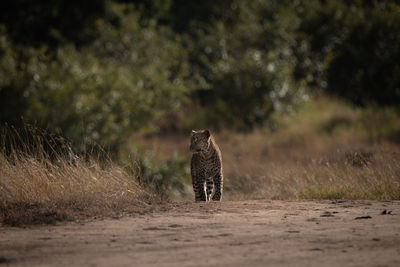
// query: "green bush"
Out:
[168,179]
[125,81]
[248,65]
[149,65]
[351,49]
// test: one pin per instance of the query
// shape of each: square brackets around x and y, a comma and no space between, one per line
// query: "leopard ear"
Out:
[207,133]
[193,132]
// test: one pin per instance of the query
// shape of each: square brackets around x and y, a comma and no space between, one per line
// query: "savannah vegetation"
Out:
[97,101]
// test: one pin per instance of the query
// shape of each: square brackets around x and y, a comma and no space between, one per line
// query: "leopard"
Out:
[206,166]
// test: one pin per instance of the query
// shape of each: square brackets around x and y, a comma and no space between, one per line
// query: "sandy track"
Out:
[244,233]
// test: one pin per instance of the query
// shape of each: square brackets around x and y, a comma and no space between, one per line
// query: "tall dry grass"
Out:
[341,171]
[327,150]
[43,181]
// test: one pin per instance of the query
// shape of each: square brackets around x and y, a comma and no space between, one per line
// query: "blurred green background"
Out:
[101,70]
[104,71]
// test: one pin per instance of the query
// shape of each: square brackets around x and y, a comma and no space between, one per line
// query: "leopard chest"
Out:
[207,167]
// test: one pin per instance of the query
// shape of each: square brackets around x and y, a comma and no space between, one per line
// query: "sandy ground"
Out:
[242,233]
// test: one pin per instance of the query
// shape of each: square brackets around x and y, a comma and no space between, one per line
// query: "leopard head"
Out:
[200,141]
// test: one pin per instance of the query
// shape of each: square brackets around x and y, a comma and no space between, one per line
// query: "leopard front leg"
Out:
[199,190]
[209,186]
[198,181]
[218,183]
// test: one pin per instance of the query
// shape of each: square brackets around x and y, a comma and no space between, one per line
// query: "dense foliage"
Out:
[101,70]
[354,47]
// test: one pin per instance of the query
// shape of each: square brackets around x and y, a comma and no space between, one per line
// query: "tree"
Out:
[352,49]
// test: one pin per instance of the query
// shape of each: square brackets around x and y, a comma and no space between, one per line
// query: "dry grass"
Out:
[328,150]
[40,184]
[338,172]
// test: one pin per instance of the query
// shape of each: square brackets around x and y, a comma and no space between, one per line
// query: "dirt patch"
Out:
[82,209]
[240,233]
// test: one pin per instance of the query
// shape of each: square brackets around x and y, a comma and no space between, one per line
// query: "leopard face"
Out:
[199,141]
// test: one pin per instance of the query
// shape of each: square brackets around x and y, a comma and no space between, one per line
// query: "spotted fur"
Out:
[206,166]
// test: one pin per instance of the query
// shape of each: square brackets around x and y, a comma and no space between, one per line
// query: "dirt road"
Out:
[244,233]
